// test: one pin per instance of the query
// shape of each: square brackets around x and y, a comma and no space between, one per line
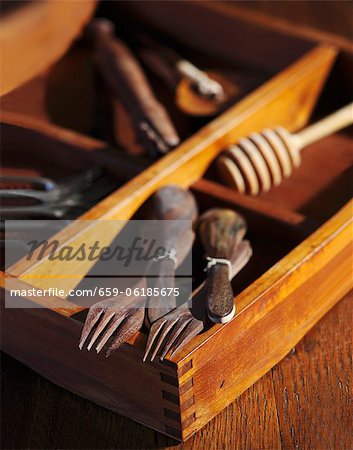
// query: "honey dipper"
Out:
[263,159]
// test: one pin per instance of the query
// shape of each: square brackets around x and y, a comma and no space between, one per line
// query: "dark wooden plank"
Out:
[318,193]
[334,17]
[312,385]
[304,402]
[38,414]
[18,400]
[248,423]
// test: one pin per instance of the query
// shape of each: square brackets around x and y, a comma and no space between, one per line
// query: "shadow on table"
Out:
[36,414]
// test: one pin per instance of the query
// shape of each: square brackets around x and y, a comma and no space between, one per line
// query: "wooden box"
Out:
[300,232]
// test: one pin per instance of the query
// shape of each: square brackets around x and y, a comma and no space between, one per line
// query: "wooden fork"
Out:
[179,326]
[122,315]
[177,208]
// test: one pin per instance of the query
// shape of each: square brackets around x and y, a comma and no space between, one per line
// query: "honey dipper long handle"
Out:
[334,122]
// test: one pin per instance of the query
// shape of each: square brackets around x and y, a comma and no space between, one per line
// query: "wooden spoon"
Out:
[220,230]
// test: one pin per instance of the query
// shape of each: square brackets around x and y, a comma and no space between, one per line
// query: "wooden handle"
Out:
[221,230]
[240,257]
[155,62]
[174,203]
[329,125]
[178,207]
[163,278]
[127,80]
[220,301]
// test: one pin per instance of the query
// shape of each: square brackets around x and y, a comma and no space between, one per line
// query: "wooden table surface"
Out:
[303,402]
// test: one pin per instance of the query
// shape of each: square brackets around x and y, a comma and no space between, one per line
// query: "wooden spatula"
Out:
[220,230]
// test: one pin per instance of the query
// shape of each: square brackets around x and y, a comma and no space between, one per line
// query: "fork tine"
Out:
[110,330]
[165,330]
[91,319]
[129,327]
[105,320]
[173,337]
[192,330]
[153,333]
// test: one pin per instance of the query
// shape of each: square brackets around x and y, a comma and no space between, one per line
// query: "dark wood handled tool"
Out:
[114,320]
[220,230]
[175,329]
[126,79]
[178,207]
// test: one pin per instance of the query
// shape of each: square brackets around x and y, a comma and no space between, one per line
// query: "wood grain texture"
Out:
[291,95]
[131,387]
[303,402]
[289,319]
[313,386]
[330,17]
[223,25]
[274,313]
[37,35]
[276,414]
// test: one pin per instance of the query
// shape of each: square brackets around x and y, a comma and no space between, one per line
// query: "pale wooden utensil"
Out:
[262,160]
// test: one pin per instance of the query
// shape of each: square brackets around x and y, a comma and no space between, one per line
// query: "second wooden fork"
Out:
[179,326]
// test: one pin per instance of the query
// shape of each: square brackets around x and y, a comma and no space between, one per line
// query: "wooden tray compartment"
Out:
[180,395]
[68,95]
[34,35]
[301,264]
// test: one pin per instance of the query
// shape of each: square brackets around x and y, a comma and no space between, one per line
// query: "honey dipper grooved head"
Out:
[260,161]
